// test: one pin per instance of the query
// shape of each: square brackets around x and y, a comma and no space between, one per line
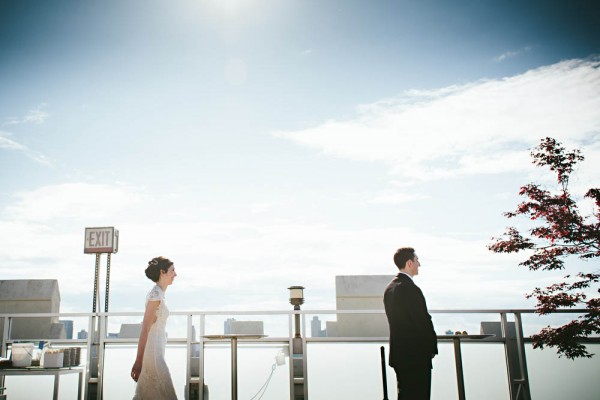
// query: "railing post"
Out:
[298,358]
[91,380]
[4,339]
[460,378]
[188,358]
[304,359]
[101,344]
[507,353]
[516,364]
[5,336]
[93,386]
[291,353]
[523,392]
[202,332]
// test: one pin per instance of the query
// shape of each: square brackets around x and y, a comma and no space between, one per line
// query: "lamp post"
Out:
[297,299]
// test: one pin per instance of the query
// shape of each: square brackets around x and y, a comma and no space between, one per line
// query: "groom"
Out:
[413,341]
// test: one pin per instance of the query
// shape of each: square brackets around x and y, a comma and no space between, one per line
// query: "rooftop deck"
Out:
[495,360]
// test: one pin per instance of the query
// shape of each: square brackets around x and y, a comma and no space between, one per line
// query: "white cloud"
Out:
[42,236]
[41,232]
[479,128]
[260,208]
[508,161]
[36,115]
[6,143]
[511,54]
[10,144]
[81,201]
[391,196]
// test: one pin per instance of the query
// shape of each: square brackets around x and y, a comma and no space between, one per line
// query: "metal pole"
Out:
[234,380]
[106,295]
[189,353]
[460,380]
[101,347]
[80,385]
[291,354]
[201,357]
[298,358]
[93,386]
[383,374]
[56,386]
[507,355]
[96,273]
[88,372]
[304,359]
[524,381]
[4,341]
[297,320]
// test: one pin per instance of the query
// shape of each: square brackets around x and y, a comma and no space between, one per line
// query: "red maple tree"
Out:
[562,232]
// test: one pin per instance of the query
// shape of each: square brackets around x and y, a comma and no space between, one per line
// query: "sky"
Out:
[261,144]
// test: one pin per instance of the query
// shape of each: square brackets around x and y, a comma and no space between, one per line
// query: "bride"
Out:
[150,370]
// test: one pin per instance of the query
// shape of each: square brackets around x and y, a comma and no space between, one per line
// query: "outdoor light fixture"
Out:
[296,296]
[297,299]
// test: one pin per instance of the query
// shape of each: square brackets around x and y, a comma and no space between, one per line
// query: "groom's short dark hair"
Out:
[402,255]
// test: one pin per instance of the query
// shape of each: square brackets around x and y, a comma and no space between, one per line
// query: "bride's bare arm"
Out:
[149,319]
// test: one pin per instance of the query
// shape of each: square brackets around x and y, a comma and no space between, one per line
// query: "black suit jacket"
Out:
[413,341]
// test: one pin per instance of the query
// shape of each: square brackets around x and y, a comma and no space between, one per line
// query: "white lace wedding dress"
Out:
[155,381]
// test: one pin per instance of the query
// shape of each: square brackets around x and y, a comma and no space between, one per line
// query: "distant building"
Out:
[315,328]
[82,334]
[359,292]
[32,296]
[131,331]
[231,326]
[68,328]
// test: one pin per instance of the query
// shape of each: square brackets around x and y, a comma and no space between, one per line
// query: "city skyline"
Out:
[264,144]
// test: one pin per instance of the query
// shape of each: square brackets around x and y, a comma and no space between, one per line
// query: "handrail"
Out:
[290,312]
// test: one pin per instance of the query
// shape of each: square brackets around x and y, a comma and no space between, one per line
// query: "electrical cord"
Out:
[264,387]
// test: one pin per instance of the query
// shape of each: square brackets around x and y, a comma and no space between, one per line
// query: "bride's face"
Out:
[169,276]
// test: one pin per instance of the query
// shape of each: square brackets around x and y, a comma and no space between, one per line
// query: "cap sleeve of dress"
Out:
[156,294]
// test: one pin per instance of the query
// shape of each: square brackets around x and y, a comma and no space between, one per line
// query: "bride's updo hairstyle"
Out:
[156,265]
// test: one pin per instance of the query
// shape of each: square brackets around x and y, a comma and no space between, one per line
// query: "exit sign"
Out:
[101,240]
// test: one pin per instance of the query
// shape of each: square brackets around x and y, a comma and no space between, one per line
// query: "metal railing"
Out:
[98,339]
